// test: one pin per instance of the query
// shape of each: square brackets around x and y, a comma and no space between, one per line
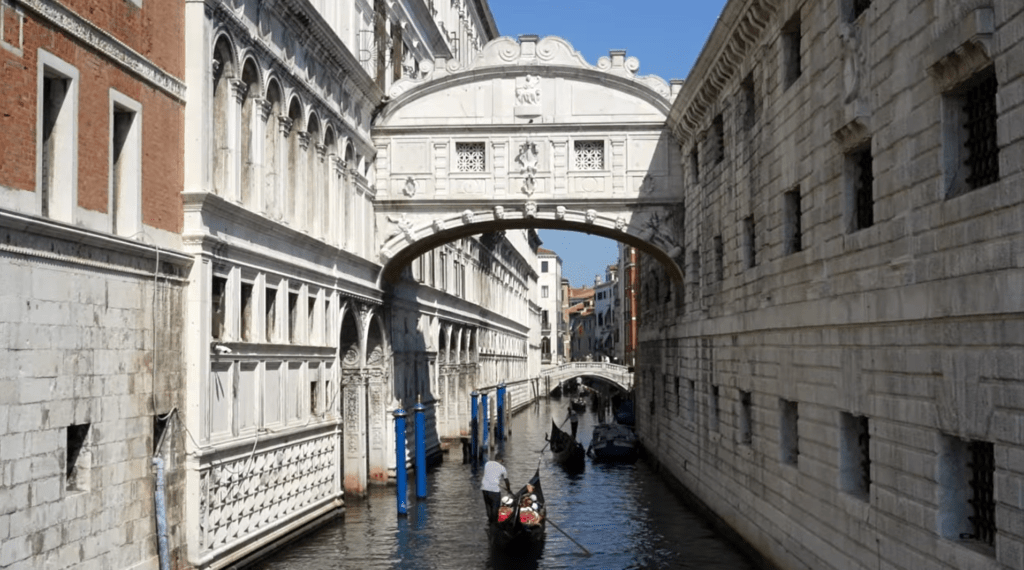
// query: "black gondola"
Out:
[579,404]
[521,517]
[566,449]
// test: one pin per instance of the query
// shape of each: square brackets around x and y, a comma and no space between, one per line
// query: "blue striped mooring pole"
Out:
[421,450]
[473,427]
[500,418]
[486,412]
[400,474]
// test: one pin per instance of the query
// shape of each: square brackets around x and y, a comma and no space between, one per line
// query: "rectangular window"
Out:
[970,145]
[293,317]
[852,9]
[57,145]
[470,157]
[248,306]
[717,141]
[544,291]
[312,322]
[966,477]
[691,401]
[314,390]
[589,155]
[677,394]
[789,447]
[746,426]
[854,455]
[749,242]
[749,97]
[792,234]
[271,315]
[543,267]
[78,458]
[125,207]
[218,307]
[695,165]
[860,199]
[713,409]
[719,258]
[791,69]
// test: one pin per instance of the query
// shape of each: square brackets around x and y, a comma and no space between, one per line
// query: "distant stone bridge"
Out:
[616,374]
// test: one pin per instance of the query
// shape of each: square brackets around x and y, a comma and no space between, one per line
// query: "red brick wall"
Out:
[162,116]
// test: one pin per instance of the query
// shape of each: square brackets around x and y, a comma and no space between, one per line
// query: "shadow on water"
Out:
[624,514]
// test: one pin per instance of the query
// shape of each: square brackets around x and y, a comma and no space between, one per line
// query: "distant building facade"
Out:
[550,301]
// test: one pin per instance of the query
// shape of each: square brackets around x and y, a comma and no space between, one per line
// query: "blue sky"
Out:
[665,35]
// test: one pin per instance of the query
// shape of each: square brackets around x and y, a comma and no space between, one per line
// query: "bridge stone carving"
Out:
[530,135]
[615,374]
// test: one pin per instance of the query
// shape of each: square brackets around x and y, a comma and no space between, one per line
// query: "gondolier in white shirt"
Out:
[494,475]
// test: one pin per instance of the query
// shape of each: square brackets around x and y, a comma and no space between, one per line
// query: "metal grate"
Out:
[983,501]
[859,6]
[589,155]
[471,157]
[864,447]
[863,185]
[718,142]
[982,146]
[793,231]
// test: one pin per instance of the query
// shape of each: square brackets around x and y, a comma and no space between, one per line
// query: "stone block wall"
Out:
[92,357]
[829,382]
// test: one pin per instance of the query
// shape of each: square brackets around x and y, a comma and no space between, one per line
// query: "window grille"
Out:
[749,102]
[718,139]
[793,232]
[859,6]
[749,241]
[471,157]
[791,50]
[864,447]
[589,155]
[983,501]
[863,184]
[982,146]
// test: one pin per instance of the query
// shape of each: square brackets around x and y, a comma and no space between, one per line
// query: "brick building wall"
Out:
[838,379]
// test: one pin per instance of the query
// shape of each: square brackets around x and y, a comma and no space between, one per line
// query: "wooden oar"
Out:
[567,535]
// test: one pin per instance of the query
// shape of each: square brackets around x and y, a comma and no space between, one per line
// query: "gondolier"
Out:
[574,421]
[494,475]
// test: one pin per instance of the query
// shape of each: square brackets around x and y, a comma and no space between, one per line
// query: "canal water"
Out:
[624,515]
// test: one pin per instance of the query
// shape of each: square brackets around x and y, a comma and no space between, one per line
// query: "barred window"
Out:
[793,234]
[980,124]
[982,464]
[589,155]
[471,156]
[860,189]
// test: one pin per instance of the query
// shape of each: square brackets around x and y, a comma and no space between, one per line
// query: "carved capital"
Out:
[240,90]
[264,107]
[304,139]
[284,125]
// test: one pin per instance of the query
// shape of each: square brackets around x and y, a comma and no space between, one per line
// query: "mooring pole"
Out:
[473,427]
[486,412]
[400,474]
[499,417]
[421,449]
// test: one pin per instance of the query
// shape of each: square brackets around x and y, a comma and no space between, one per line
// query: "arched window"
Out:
[223,99]
[272,154]
[293,161]
[250,79]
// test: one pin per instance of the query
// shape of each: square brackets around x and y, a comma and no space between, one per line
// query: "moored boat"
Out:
[521,517]
[614,443]
[567,451]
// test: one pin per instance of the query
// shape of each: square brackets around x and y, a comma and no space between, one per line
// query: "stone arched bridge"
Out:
[615,374]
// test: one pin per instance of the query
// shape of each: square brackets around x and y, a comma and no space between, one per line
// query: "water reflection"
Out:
[624,515]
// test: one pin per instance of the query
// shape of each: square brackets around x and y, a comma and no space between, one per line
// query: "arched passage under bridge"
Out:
[529,136]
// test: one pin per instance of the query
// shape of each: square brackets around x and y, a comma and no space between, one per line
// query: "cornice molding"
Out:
[737,34]
[130,60]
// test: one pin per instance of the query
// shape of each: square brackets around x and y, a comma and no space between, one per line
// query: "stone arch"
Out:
[311,192]
[349,337]
[293,161]
[272,150]
[252,86]
[224,73]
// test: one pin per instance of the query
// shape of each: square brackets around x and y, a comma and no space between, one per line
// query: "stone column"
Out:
[379,427]
[234,138]
[300,194]
[354,398]
[335,192]
[284,188]
[260,116]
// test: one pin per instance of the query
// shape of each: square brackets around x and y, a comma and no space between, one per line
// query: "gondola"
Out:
[566,449]
[614,443]
[521,518]
[579,404]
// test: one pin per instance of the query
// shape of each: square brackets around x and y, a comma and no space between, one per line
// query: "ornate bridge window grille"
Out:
[980,124]
[471,156]
[982,464]
[589,155]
